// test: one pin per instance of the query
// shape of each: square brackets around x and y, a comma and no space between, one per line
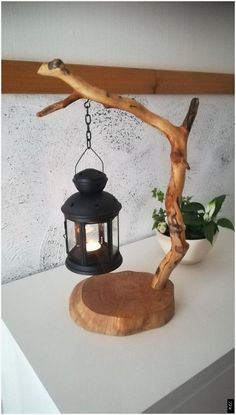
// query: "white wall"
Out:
[38,155]
[169,35]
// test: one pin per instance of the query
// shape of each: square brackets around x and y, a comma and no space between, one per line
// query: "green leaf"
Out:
[185,199]
[192,219]
[209,212]
[193,207]
[154,192]
[158,217]
[225,223]
[158,194]
[210,229]
[194,232]
[161,211]
[218,203]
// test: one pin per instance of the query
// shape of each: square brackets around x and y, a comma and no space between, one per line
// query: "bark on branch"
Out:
[177,136]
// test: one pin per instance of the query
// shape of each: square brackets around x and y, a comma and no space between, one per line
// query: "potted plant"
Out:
[202,225]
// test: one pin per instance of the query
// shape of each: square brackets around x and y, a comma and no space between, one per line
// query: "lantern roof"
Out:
[91,204]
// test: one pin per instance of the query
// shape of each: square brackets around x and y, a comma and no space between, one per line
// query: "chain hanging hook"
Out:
[88,136]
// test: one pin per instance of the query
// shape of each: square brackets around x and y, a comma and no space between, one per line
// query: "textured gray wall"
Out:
[38,158]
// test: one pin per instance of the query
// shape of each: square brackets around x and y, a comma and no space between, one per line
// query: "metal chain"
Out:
[88,136]
[88,122]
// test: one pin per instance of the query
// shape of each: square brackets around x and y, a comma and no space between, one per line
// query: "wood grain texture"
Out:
[121,303]
[20,77]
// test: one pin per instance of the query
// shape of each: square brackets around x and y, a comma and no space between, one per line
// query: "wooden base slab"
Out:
[121,303]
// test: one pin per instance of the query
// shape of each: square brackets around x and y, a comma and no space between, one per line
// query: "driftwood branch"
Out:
[59,105]
[57,69]
[177,136]
[191,114]
[179,164]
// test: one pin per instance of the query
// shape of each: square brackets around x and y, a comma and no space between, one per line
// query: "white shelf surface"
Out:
[85,372]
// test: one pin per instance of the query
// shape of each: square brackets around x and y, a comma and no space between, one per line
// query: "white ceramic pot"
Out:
[198,248]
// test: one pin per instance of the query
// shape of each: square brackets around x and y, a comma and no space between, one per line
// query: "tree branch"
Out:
[59,104]
[57,69]
[191,114]
[177,137]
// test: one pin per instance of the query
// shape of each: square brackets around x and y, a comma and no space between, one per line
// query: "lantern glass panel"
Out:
[93,239]
[71,234]
[115,235]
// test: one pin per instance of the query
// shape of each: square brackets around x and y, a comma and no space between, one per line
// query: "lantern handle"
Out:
[96,154]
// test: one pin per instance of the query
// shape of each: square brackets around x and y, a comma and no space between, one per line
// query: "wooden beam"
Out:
[20,77]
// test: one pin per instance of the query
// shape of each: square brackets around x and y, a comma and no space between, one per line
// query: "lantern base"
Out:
[94,268]
[121,303]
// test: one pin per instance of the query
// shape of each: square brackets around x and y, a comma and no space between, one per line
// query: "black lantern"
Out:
[92,225]
[91,220]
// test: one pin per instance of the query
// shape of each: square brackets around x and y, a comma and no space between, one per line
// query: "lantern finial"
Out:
[90,181]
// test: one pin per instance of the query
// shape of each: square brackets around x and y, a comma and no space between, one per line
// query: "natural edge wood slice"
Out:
[121,303]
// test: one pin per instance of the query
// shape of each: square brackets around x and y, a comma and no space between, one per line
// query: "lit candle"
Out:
[92,245]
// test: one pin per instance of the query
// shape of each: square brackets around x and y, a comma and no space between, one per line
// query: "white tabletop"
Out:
[85,372]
